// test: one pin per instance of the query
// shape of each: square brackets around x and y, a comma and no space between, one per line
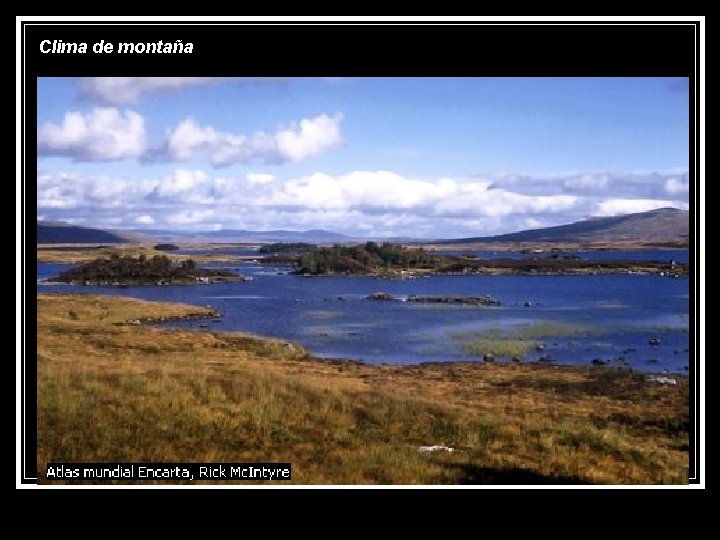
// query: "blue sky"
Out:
[425,157]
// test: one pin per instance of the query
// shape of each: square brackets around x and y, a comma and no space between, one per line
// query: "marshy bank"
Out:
[110,390]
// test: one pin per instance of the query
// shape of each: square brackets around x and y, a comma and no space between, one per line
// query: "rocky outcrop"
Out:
[211,313]
[486,300]
[381,296]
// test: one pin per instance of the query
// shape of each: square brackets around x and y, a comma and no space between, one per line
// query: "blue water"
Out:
[218,251]
[679,255]
[331,317]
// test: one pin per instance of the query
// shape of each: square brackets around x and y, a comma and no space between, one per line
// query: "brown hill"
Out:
[664,226]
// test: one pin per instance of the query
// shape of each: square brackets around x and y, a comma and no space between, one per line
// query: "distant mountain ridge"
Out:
[49,232]
[242,235]
[658,227]
[661,226]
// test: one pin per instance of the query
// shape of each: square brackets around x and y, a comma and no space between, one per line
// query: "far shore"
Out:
[539,260]
[81,253]
[547,246]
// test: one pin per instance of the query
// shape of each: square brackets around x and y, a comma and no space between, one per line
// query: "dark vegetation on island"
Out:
[165,247]
[292,248]
[368,258]
[392,259]
[565,265]
[157,270]
[118,267]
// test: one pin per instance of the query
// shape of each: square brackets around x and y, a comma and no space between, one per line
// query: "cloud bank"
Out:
[121,90]
[359,203]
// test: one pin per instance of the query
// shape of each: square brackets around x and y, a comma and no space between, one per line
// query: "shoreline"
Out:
[113,390]
[553,264]
[500,272]
[64,253]
[209,313]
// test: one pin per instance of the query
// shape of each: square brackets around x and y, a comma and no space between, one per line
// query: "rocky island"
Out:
[369,258]
[486,300]
[157,270]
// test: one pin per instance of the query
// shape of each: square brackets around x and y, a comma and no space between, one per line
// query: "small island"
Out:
[370,258]
[292,248]
[157,270]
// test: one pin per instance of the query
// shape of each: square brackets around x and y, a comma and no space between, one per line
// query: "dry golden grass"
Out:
[111,391]
[79,255]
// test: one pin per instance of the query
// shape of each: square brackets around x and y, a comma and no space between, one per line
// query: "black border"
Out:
[696,184]
[377,48]
[373,48]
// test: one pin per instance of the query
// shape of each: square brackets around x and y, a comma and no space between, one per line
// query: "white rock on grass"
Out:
[661,379]
[435,448]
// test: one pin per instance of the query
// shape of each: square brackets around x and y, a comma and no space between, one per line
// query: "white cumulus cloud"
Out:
[309,137]
[673,186]
[103,134]
[293,143]
[379,191]
[182,182]
[615,207]
[259,178]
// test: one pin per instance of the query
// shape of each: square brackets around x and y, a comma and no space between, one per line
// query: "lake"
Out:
[679,255]
[576,319]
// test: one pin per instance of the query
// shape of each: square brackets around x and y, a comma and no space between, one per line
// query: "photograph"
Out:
[361,281]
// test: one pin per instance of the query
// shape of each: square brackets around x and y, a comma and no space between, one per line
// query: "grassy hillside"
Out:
[109,390]
[61,233]
[662,226]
